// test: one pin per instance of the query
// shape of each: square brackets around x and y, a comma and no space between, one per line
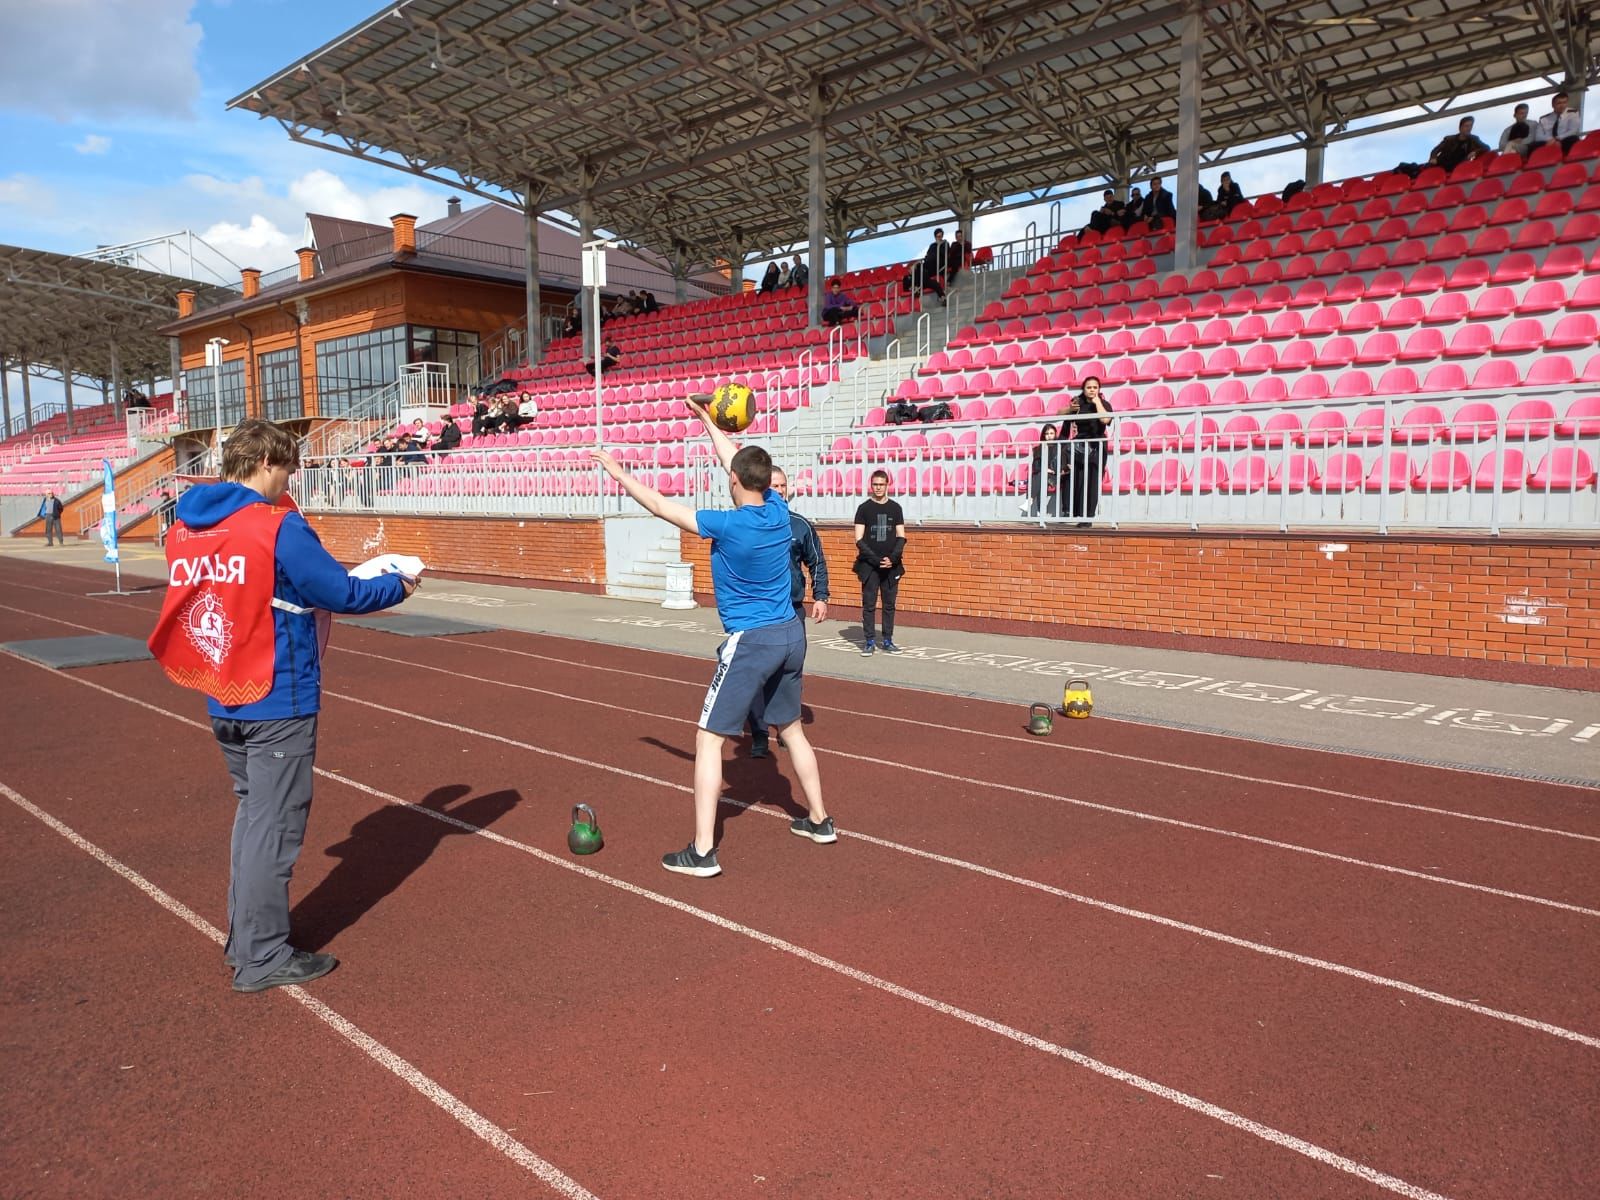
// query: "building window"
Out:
[350,370]
[281,398]
[456,348]
[204,386]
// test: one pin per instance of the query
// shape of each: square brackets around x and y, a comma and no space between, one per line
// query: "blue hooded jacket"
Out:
[306,576]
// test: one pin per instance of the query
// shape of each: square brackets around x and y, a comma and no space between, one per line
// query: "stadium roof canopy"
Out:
[60,310]
[689,121]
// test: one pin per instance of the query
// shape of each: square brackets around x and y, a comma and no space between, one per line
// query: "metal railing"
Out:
[460,483]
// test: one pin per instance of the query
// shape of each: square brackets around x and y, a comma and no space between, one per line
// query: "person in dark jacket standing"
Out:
[1044,476]
[1088,417]
[246,576]
[880,530]
[805,554]
[50,514]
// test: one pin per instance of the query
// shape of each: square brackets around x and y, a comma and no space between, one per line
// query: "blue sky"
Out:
[114,128]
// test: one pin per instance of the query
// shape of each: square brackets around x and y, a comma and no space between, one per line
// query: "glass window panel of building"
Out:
[281,396]
[203,386]
[351,369]
[457,348]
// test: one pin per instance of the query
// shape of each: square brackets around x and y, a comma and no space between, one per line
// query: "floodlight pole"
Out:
[5,395]
[594,278]
[214,361]
[66,385]
[27,395]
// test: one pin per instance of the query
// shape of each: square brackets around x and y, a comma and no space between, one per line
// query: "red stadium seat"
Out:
[1422,423]
[1391,471]
[1574,331]
[1529,420]
[1561,262]
[1342,473]
[1555,370]
[1508,468]
[1474,422]
[1326,429]
[1298,474]
[1582,418]
[1496,375]
[1445,471]
[1248,474]
[1566,468]
[1426,279]
[1515,268]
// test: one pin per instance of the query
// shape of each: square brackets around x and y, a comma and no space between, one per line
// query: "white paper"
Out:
[389,564]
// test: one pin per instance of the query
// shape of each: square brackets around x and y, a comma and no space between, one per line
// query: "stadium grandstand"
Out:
[1411,351]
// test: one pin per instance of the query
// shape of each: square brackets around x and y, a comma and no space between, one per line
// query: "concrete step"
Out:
[639,579]
[651,570]
[624,592]
[663,556]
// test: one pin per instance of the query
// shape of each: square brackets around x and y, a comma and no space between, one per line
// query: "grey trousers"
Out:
[270,763]
[52,531]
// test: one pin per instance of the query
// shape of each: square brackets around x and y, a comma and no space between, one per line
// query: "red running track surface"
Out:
[1122,962]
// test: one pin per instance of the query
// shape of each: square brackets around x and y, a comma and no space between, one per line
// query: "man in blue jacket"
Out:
[246,575]
[805,551]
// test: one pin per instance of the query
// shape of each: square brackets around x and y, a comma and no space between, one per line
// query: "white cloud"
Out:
[93,143]
[259,243]
[103,58]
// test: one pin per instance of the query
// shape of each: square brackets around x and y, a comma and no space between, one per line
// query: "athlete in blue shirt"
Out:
[765,651]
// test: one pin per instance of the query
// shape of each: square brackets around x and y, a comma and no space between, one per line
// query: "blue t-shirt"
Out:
[750,562]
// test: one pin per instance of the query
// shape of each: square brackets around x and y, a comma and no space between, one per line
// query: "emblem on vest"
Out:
[208,628]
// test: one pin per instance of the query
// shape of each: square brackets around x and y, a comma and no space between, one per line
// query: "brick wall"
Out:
[563,553]
[1511,602]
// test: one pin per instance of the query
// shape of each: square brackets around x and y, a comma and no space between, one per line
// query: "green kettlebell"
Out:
[1040,719]
[584,836]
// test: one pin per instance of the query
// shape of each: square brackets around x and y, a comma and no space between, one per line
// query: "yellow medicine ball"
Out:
[733,407]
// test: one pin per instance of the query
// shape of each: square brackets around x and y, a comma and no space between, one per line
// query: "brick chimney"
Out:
[185,304]
[308,262]
[250,282]
[405,233]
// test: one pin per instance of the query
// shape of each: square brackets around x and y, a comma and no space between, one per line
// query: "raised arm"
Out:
[700,406]
[652,501]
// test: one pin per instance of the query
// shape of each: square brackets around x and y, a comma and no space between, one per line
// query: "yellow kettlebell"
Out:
[1076,700]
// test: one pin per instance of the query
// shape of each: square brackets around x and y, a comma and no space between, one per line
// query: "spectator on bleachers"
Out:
[481,416]
[573,325]
[1517,137]
[1108,215]
[419,432]
[648,303]
[1559,124]
[410,452]
[1044,475]
[510,414]
[1133,210]
[166,507]
[838,305]
[799,274]
[134,398]
[1459,147]
[960,257]
[449,438]
[50,513]
[1229,197]
[609,358]
[1089,416]
[929,274]
[1158,209]
[527,406]
[783,276]
[770,281]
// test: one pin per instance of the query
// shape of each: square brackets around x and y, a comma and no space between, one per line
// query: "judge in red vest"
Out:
[245,576]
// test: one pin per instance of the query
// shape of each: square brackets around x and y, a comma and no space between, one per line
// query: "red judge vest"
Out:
[215,633]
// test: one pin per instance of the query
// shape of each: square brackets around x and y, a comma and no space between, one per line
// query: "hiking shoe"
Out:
[867,649]
[822,832]
[758,746]
[689,861]
[889,647]
[302,967]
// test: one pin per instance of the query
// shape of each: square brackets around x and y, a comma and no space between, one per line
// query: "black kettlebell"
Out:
[584,836]
[1040,719]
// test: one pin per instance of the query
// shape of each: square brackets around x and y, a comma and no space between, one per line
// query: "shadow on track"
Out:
[381,852]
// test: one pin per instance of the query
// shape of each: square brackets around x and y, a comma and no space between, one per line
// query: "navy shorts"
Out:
[760,670]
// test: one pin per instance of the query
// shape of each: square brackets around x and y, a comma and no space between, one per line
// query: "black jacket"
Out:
[805,548]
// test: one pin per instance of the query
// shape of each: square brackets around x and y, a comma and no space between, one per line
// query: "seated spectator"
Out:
[134,398]
[1457,148]
[527,406]
[1518,136]
[481,414]
[410,453]
[960,258]
[510,414]
[630,304]
[1229,197]
[799,274]
[1558,125]
[573,325]
[449,438]
[1133,210]
[837,305]
[609,357]
[647,303]
[770,281]
[1158,209]
[419,432]
[783,275]
[932,272]
[1108,215]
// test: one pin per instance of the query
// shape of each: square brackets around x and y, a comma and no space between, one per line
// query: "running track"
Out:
[1122,962]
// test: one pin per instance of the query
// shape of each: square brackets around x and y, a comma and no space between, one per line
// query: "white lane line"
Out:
[1056,746]
[1201,931]
[561,1183]
[1136,814]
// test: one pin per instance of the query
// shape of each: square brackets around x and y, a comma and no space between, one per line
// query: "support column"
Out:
[5,396]
[591,336]
[116,378]
[964,210]
[66,386]
[1316,139]
[27,395]
[736,251]
[839,234]
[680,271]
[531,284]
[816,201]
[180,404]
[1122,174]
[1190,80]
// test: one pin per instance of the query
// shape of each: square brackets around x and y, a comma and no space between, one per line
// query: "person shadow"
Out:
[754,781]
[381,852]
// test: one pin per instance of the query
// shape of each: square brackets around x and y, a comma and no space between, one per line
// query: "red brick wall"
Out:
[1516,602]
[568,553]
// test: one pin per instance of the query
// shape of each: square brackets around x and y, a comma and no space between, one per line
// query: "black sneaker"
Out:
[889,647]
[689,861]
[867,649]
[807,828]
[758,746]
[302,967]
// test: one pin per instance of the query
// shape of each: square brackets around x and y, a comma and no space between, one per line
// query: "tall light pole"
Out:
[214,361]
[594,278]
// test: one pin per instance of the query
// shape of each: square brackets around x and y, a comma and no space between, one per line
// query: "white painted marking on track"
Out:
[1136,814]
[561,1183]
[1113,754]
[1227,939]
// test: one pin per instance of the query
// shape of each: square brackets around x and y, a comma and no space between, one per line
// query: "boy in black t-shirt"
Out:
[880,542]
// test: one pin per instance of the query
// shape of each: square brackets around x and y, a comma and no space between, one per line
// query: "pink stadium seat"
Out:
[1475,422]
[1280,428]
[1496,375]
[1129,478]
[1474,273]
[1208,433]
[1489,242]
[1545,297]
[1535,235]
[1335,353]
[1378,350]
[1470,341]
[1530,419]
[1366,316]
[1162,435]
[1566,468]
[1444,377]
[1309,388]
[1508,465]
[1421,423]
[1247,474]
[1259,358]
[1230,392]
[1423,280]
[1519,337]
[1163,476]
[1349,385]
[1554,370]
[1299,473]
[1445,471]
[1582,228]
[1157,397]
[1239,432]
[1401,471]
[1576,331]
[1423,345]
[1561,262]
[1515,268]
[1193,395]
[1342,473]
[1270,389]
[1582,418]
[1130,436]
[1210,476]
[1325,429]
